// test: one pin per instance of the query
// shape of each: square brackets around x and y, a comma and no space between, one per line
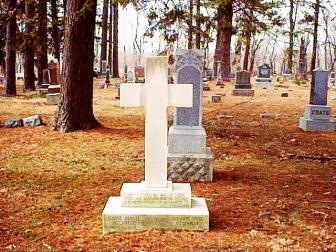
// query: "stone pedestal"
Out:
[53,99]
[216,98]
[317,118]
[242,92]
[117,218]
[192,167]
[188,156]
[263,82]
[139,208]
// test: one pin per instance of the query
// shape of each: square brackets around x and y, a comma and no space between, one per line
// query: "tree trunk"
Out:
[198,24]
[10,81]
[110,42]
[316,15]
[313,60]
[253,53]
[291,36]
[190,28]
[42,52]
[237,55]
[103,48]
[247,50]
[55,30]
[115,40]
[29,76]
[302,60]
[75,110]
[225,31]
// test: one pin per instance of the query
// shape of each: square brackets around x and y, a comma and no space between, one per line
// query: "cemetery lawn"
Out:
[274,185]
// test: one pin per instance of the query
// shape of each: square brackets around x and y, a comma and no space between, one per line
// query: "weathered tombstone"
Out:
[54,94]
[264,76]
[216,98]
[219,79]
[130,77]
[117,86]
[243,85]
[103,66]
[156,202]
[43,89]
[139,74]
[287,75]
[53,73]
[32,121]
[107,78]
[210,74]
[317,115]
[188,156]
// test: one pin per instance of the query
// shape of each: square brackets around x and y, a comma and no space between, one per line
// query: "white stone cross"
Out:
[156,95]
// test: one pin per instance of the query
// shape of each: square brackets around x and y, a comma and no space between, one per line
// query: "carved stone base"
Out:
[190,167]
[242,92]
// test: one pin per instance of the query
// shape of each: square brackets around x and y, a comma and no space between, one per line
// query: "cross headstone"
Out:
[319,91]
[156,95]
[156,202]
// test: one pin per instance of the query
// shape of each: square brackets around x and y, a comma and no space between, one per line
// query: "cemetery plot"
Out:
[273,184]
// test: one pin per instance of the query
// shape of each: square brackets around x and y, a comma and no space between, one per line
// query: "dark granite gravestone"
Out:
[188,156]
[264,71]
[189,71]
[53,73]
[317,115]
[320,83]
[45,76]
[139,74]
[107,79]
[243,80]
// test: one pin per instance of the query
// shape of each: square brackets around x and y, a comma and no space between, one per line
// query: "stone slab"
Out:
[261,82]
[216,98]
[136,219]
[242,92]
[53,99]
[177,195]
[52,89]
[187,140]
[319,112]
[190,167]
[34,120]
[317,125]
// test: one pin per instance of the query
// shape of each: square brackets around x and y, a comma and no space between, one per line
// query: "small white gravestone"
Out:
[156,202]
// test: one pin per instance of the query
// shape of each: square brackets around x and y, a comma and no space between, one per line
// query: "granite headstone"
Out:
[320,83]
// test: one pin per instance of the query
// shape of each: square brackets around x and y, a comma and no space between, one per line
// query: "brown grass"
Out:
[265,195]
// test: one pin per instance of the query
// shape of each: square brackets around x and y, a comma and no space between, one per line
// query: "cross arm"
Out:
[132,95]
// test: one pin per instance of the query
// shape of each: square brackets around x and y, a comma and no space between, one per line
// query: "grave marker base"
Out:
[317,118]
[190,167]
[117,218]
[242,92]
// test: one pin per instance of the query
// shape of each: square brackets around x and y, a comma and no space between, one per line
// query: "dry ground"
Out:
[273,189]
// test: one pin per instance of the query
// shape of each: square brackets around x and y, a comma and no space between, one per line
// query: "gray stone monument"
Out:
[243,85]
[317,114]
[219,80]
[188,156]
[264,78]
[103,66]
[130,77]
[45,83]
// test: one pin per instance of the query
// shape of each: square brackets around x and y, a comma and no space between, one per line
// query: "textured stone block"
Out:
[216,98]
[192,167]
[242,92]
[53,99]
[137,195]
[186,140]
[127,219]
